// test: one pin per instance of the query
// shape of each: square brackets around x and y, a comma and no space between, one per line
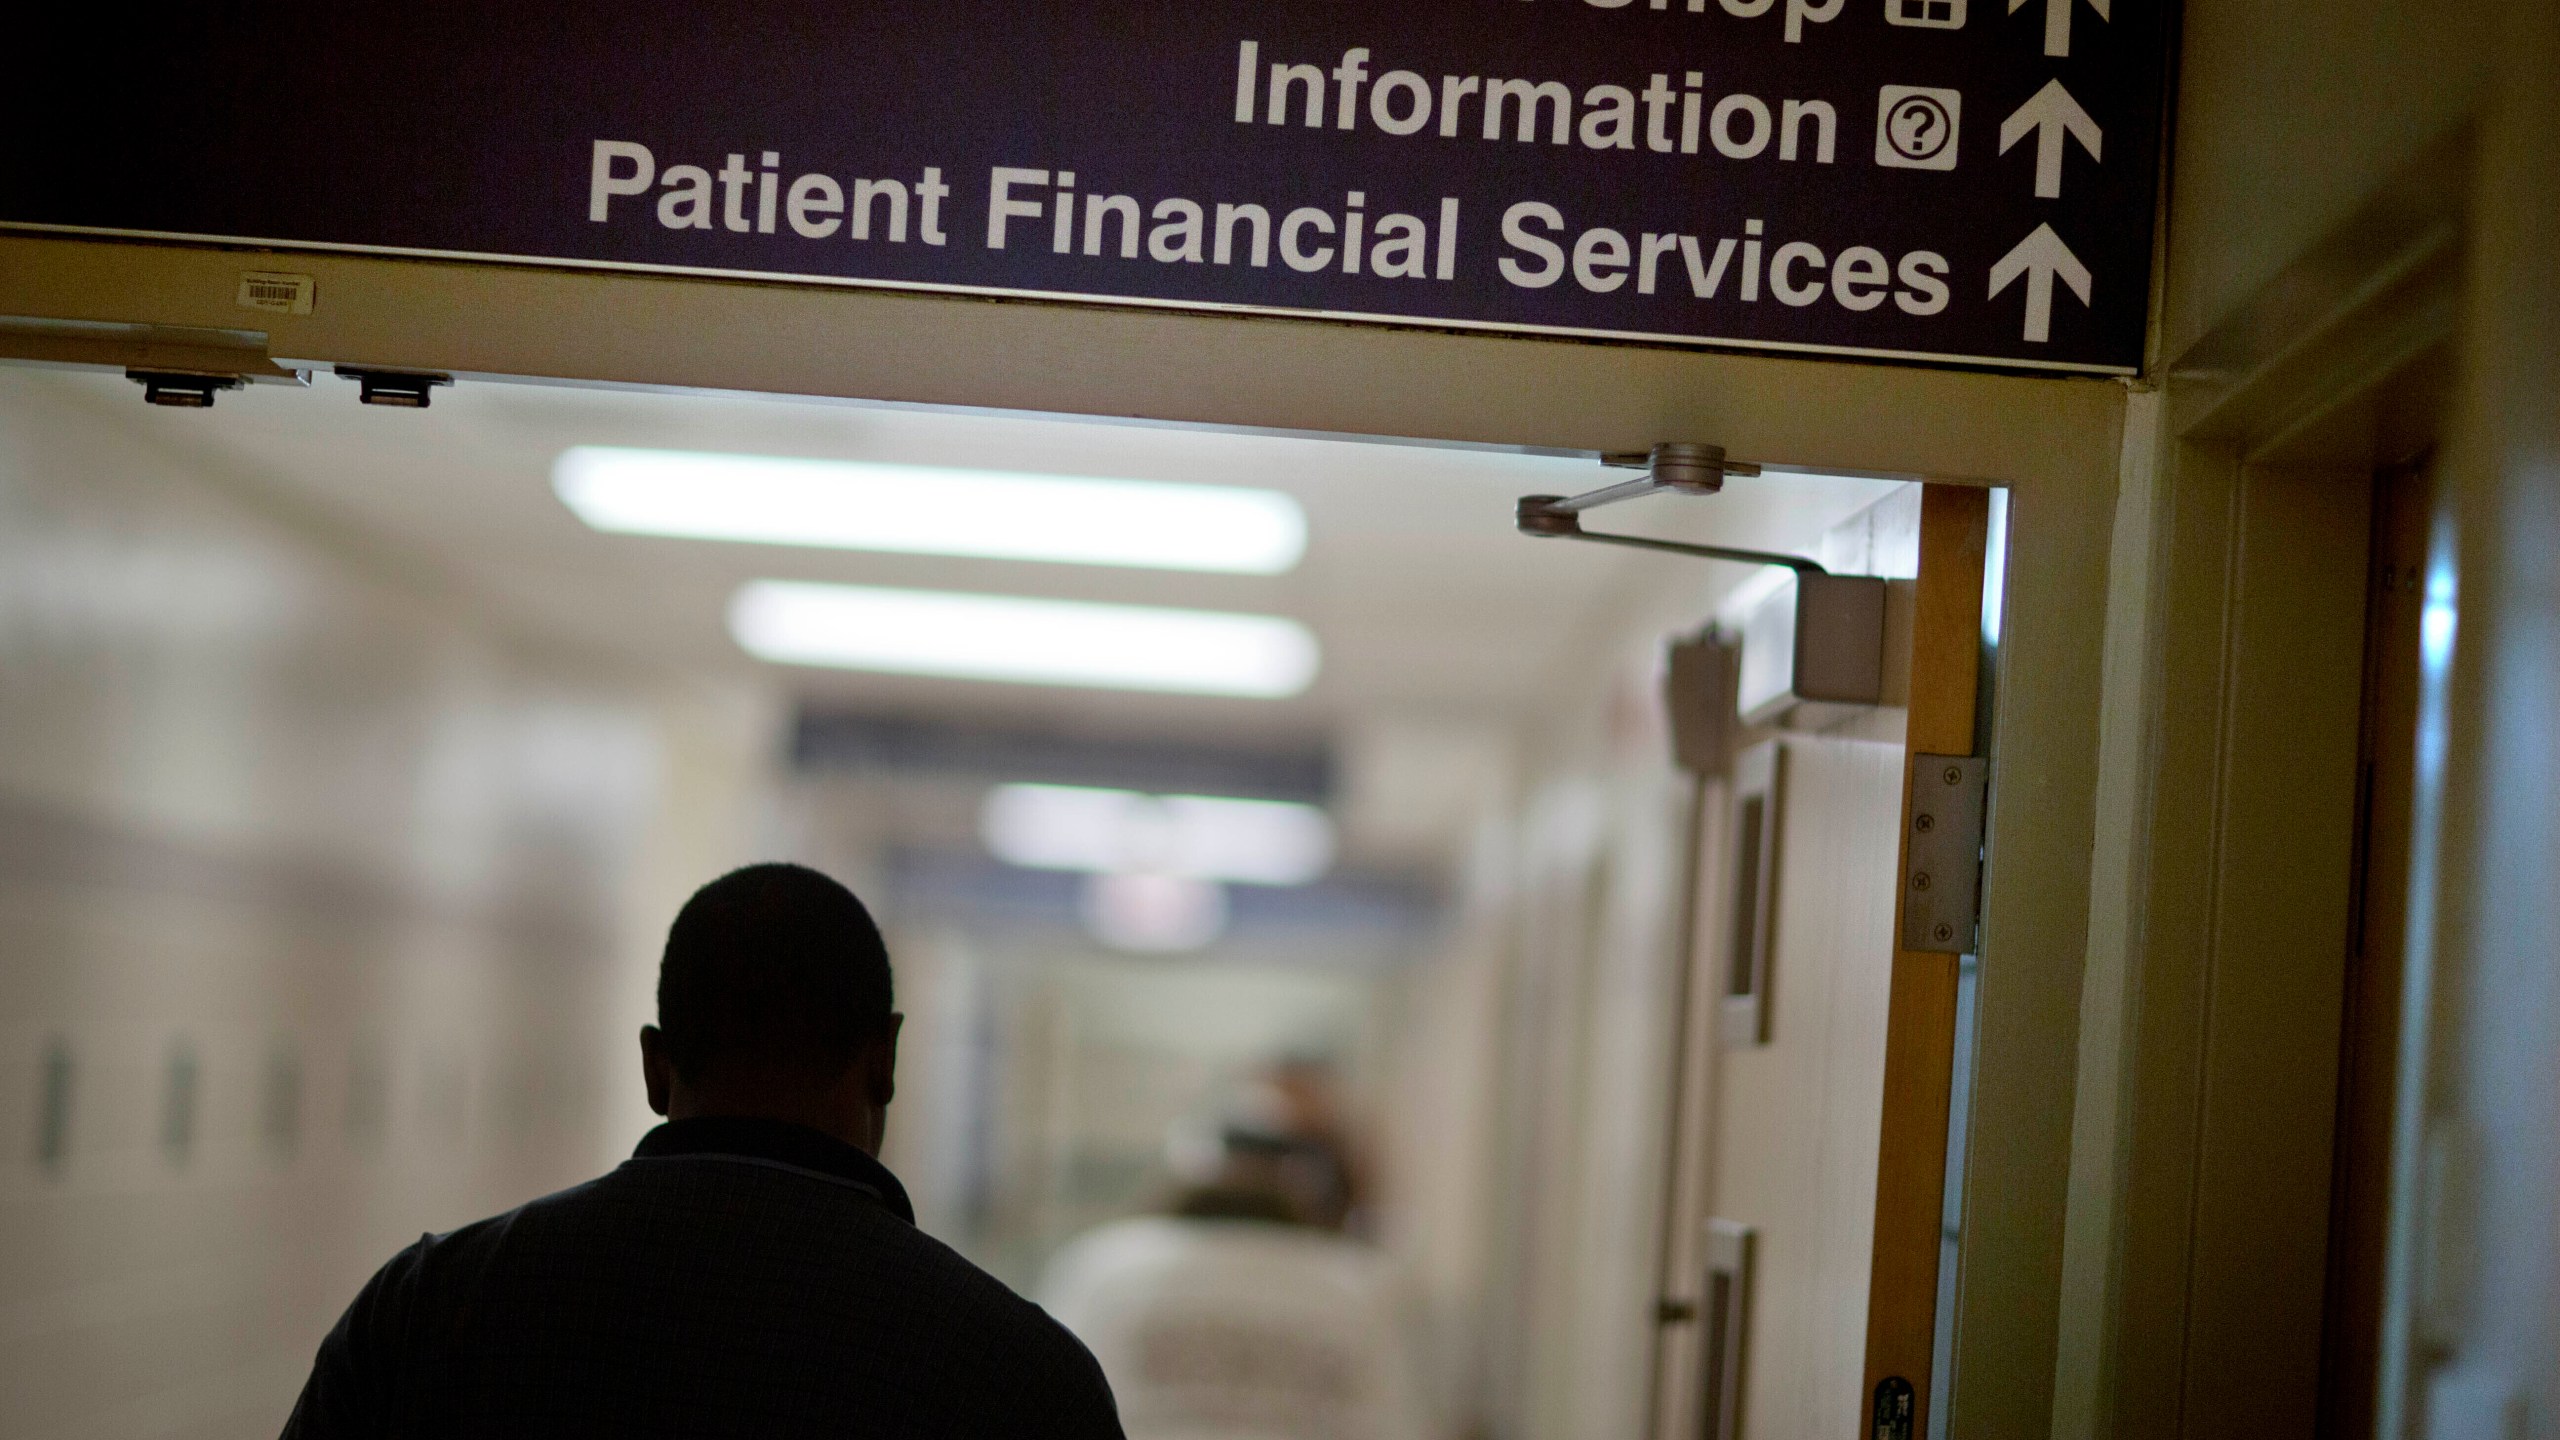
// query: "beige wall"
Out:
[2289,114]
[1524,1091]
[2474,1316]
[389,882]
[2326,201]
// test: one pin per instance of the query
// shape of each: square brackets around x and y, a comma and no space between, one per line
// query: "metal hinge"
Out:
[1942,853]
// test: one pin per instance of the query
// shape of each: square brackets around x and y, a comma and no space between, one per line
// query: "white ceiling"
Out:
[1429,607]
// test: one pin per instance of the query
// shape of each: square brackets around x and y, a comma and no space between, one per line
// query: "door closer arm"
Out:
[1684,468]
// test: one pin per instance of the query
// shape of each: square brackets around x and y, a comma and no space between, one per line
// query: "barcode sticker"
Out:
[283,294]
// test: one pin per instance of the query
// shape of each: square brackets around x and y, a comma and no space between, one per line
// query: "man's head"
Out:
[774,1002]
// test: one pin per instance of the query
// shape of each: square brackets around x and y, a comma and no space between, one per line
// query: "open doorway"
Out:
[403,733]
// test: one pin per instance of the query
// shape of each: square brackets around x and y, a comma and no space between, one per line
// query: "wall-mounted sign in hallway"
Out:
[1959,181]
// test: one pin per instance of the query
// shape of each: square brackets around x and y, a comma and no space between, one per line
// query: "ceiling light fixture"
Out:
[1016,638]
[932,510]
[1122,832]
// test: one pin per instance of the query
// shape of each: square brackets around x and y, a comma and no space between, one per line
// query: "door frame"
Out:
[2058,444]
[2196,1252]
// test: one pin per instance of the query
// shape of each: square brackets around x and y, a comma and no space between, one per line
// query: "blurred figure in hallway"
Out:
[1244,1311]
[1303,1097]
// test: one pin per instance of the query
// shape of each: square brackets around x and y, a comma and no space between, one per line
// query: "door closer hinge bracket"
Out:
[1680,465]
[1942,853]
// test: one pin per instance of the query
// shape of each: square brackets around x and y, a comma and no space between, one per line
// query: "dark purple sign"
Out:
[1958,181]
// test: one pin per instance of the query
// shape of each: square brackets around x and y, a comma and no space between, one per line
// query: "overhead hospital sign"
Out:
[1953,181]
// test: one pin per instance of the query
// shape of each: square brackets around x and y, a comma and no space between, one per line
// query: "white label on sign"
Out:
[1916,127]
[282,294]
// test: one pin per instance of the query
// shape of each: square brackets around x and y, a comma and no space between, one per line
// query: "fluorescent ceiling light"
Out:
[932,510]
[1121,832]
[1009,637]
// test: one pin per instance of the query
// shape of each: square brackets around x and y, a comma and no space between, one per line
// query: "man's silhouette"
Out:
[751,1270]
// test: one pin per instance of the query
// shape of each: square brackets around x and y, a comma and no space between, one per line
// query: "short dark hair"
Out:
[772,967]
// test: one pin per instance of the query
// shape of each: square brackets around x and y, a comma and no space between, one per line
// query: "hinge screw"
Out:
[1920,881]
[1924,822]
[1954,775]
[1945,932]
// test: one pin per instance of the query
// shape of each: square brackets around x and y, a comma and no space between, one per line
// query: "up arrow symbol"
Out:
[2050,112]
[2057,21]
[2040,257]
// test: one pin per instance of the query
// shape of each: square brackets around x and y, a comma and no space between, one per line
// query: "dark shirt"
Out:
[734,1277]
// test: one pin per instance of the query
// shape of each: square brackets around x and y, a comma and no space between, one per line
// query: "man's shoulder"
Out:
[441,1251]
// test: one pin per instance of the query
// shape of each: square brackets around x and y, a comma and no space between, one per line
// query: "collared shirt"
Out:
[782,1145]
[734,1277]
